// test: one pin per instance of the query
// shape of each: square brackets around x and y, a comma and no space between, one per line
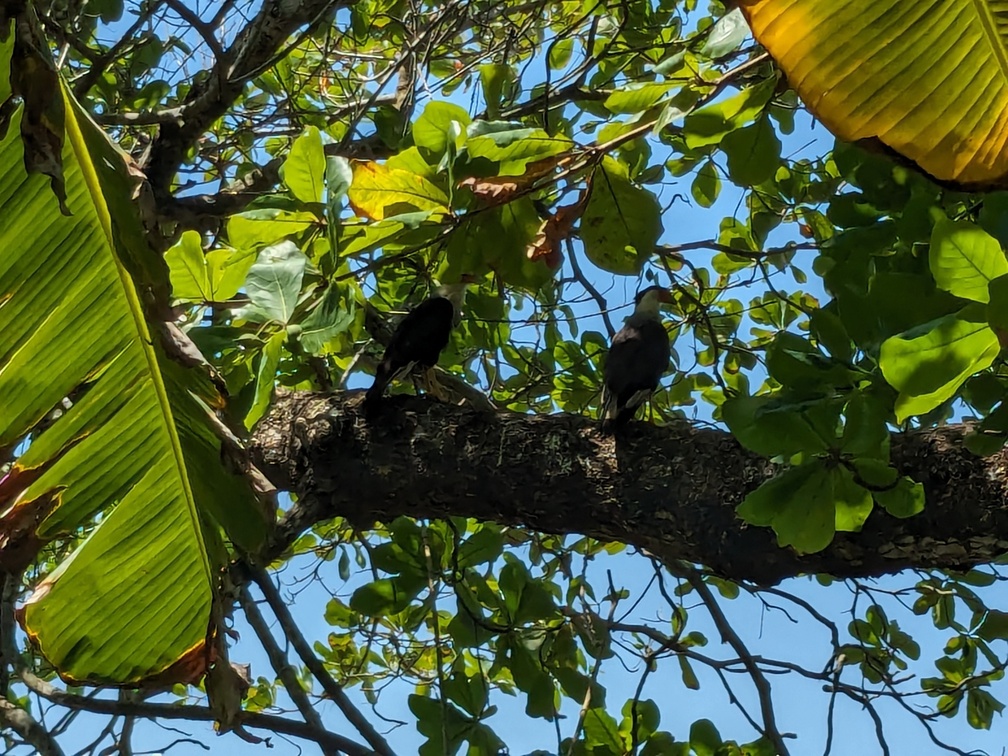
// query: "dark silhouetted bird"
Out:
[419,338]
[638,357]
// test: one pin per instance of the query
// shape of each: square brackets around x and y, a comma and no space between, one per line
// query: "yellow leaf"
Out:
[927,78]
[380,192]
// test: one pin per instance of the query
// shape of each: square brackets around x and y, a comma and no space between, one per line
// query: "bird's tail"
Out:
[608,412]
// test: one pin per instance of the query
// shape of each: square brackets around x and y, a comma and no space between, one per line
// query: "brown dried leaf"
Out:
[554,230]
[493,190]
[19,543]
[35,80]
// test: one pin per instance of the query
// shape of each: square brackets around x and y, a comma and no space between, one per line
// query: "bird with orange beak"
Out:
[638,357]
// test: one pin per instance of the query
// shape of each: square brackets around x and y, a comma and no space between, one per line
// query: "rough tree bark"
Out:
[671,491]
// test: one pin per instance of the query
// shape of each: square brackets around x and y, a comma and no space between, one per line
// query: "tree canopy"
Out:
[214,214]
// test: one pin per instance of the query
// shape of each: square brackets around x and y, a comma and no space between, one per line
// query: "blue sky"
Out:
[800,704]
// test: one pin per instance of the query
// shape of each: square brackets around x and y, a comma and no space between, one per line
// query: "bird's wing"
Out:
[422,333]
[638,357]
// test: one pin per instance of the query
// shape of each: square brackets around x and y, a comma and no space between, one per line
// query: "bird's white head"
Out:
[649,300]
[455,292]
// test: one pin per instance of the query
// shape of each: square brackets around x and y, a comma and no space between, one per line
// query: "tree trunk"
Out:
[670,490]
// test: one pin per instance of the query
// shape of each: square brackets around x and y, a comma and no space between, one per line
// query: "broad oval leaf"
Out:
[512,147]
[621,222]
[214,276]
[273,283]
[637,99]
[800,505]
[753,153]
[305,168]
[258,228]
[964,259]
[433,130]
[380,192]
[928,365]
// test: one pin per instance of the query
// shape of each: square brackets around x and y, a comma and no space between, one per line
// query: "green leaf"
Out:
[387,595]
[485,545]
[905,500]
[526,599]
[928,365]
[648,717]
[497,239]
[212,277]
[706,184]
[273,283]
[875,472]
[470,693]
[997,307]
[137,448]
[980,708]
[621,222]
[338,178]
[258,228]
[333,315]
[441,124]
[493,78]
[637,99]
[753,153]
[853,502]
[728,33]
[704,738]
[689,677]
[964,259]
[709,124]
[761,747]
[865,432]
[663,744]
[265,378]
[513,148]
[798,504]
[560,52]
[305,168]
[600,729]
[994,625]
[436,720]
[767,427]
[794,361]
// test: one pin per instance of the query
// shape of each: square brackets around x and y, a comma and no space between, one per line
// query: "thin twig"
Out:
[332,688]
[257,720]
[278,659]
[729,635]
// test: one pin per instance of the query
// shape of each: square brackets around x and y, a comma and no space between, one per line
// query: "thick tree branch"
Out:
[253,49]
[671,491]
[195,210]
[32,731]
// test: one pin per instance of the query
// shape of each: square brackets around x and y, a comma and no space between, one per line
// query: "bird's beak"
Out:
[468,278]
[665,296]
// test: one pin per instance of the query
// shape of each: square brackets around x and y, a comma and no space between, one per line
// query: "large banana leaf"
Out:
[135,463]
[928,78]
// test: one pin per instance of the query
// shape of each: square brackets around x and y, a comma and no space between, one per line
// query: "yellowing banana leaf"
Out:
[927,78]
[134,462]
